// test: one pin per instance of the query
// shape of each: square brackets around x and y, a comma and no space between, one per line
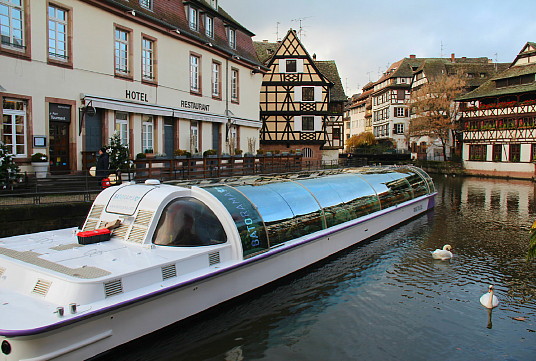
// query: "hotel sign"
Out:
[139,96]
[194,105]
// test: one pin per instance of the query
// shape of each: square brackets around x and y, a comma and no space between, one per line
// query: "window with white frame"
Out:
[148,4]
[399,128]
[14,126]
[195,84]
[121,51]
[194,137]
[147,59]
[216,80]
[193,18]
[121,126]
[12,23]
[57,32]
[147,133]
[399,112]
[232,37]
[209,26]
[234,85]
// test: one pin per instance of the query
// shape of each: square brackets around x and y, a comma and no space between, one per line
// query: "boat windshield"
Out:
[188,222]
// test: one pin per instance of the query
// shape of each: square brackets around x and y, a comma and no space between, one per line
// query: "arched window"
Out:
[307,153]
[188,222]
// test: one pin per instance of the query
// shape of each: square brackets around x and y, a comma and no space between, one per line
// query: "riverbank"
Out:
[457,169]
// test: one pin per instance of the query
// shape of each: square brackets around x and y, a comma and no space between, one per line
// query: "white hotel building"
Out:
[165,74]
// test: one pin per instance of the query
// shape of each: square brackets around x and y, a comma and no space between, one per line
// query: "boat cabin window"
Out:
[188,222]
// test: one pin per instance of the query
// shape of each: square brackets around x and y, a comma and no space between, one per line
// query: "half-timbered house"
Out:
[301,101]
[498,123]
[473,71]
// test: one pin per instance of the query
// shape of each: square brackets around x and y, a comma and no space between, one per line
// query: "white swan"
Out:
[443,254]
[489,300]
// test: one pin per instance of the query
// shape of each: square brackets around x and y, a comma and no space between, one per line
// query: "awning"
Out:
[135,107]
[126,106]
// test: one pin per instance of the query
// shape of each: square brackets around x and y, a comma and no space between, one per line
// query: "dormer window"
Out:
[209,26]
[147,4]
[193,18]
[232,38]
[214,4]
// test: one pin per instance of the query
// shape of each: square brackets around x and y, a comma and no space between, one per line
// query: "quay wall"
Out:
[24,219]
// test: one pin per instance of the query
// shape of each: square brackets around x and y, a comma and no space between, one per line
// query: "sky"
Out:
[364,37]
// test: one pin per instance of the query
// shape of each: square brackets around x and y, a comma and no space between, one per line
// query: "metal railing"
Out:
[81,187]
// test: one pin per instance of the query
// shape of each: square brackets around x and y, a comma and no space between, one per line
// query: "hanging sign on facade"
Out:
[59,113]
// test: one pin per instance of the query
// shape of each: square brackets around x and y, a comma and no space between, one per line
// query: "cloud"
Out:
[364,37]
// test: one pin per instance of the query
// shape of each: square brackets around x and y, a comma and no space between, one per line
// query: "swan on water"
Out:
[489,300]
[443,254]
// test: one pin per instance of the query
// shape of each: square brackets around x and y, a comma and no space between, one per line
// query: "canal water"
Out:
[387,299]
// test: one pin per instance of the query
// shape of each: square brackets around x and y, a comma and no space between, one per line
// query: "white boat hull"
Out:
[115,326]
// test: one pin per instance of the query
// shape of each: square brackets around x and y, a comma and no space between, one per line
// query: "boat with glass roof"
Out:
[174,251]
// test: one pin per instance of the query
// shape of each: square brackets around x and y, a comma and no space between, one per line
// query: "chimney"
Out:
[265,41]
[412,56]
[314,56]
[452,57]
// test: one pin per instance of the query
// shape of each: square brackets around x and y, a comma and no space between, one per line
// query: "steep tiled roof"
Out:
[480,69]
[329,69]
[265,50]
[171,14]
[488,89]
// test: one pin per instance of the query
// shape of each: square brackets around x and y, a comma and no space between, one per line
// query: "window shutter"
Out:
[318,123]
[297,93]
[406,112]
[297,124]
[299,65]
[318,93]
[282,65]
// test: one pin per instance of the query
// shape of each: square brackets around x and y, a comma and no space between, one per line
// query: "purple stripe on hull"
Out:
[28,332]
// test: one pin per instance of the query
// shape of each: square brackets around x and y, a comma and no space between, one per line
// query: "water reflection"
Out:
[387,299]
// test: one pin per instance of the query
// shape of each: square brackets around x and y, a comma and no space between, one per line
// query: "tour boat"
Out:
[152,254]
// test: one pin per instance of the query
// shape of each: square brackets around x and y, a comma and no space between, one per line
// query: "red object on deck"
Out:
[98,235]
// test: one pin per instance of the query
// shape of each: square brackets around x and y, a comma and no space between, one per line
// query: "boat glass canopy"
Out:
[270,211]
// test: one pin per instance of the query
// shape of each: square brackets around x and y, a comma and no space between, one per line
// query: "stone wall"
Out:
[15,220]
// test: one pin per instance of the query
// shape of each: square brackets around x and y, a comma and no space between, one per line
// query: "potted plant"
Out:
[40,164]
[181,154]
[211,153]
[8,168]
[238,152]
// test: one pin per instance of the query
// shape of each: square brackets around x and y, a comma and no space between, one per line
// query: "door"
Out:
[169,136]
[59,147]
[93,138]
[216,137]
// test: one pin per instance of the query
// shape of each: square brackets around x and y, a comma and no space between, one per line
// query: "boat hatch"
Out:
[188,222]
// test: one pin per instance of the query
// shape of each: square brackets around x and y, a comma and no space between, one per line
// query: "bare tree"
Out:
[434,111]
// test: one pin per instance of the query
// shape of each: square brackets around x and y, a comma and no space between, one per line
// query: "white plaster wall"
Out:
[93,74]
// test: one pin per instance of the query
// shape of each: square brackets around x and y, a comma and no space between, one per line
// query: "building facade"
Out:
[163,74]
[358,117]
[473,72]
[301,101]
[498,122]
